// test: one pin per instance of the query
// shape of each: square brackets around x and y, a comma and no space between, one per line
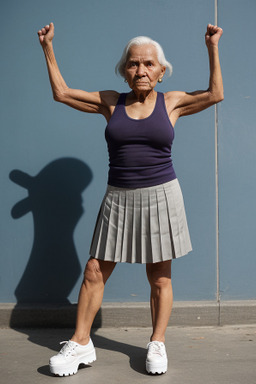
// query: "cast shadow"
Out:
[136,355]
[50,338]
[54,199]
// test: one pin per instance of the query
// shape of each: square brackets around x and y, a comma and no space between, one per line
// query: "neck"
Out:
[142,96]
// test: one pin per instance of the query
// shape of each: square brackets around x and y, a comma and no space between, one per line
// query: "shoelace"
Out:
[68,348]
[154,347]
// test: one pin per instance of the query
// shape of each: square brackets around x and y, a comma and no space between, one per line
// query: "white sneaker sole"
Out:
[71,369]
[156,368]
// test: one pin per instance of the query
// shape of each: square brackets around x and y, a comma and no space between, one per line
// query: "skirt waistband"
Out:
[153,187]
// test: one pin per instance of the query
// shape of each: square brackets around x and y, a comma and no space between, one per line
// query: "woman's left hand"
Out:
[212,36]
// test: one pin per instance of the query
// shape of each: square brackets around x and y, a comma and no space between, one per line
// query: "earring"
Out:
[160,80]
[125,81]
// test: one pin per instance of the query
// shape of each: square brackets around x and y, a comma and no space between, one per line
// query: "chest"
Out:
[155,131]
[138,111]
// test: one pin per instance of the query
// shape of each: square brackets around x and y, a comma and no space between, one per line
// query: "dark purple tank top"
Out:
[140,150]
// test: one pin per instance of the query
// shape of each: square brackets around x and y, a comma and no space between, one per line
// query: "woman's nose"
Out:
[141,70]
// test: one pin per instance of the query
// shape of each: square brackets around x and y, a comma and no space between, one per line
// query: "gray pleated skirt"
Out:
[141,225]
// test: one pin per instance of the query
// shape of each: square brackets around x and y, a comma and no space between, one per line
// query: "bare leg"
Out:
[96,274]
[161,299]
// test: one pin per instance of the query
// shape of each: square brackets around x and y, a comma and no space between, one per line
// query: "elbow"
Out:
[220,98]
[217,97]
[60,93]
[58,96]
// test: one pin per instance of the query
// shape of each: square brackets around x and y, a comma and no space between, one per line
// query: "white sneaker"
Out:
[72,354]
[156,361]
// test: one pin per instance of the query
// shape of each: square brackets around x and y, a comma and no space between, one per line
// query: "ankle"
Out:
[157,338]
[82,340]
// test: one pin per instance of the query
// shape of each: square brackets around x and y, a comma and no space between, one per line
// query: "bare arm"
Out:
[182,103]
[92,102]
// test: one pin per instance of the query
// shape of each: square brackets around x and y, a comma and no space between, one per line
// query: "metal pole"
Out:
[217,184]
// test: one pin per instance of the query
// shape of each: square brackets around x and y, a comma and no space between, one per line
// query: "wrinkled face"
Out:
[143,70]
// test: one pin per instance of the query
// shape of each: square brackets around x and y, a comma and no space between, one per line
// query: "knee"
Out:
[92,273]
[160,282]
[159,276]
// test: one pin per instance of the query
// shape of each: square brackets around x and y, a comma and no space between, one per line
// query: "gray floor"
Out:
[197,355]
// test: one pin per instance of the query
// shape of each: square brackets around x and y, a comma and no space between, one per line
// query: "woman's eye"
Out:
[131,64]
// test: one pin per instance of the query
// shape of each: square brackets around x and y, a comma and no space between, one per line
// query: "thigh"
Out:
[159,270]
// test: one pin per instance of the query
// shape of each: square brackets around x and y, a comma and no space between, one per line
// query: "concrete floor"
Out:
[197,355]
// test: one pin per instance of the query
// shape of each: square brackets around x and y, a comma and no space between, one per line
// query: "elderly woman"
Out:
[142,217]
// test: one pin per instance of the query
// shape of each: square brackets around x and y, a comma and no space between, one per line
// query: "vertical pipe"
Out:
[217,188]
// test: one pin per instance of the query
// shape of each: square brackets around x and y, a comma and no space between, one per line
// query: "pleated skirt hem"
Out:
[141,225]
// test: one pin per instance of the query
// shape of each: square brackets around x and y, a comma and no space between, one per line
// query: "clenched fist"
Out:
[213,34]
[46,34]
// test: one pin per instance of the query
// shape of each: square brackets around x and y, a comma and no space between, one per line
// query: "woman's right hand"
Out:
[46,34]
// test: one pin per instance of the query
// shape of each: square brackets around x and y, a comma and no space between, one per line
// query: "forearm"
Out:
[57,82]
[215,81]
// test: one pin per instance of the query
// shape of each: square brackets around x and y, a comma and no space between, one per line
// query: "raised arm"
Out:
[92,102]
[183,103]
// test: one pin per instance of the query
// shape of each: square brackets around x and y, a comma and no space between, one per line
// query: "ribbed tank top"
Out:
[140,150]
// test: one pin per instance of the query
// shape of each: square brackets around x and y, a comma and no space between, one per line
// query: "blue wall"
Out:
[54,159]
[237,139]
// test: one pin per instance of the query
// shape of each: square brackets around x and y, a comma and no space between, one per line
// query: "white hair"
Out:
[142,40]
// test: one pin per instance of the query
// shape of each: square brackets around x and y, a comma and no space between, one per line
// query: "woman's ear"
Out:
[163,69]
